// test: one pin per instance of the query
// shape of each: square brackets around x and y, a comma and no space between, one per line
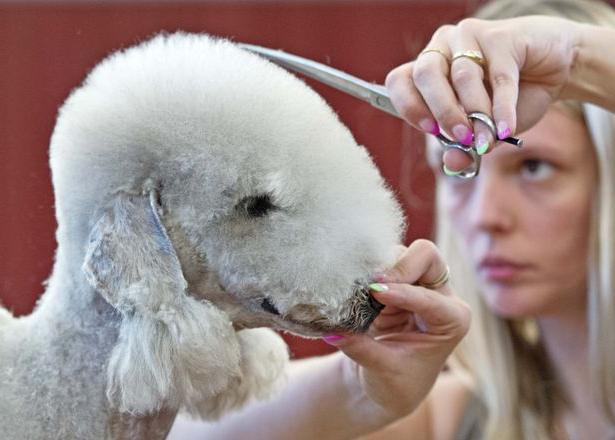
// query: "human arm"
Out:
[379,380]
[592,76]
[530,62]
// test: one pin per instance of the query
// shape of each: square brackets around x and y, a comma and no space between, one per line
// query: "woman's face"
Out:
[525,219]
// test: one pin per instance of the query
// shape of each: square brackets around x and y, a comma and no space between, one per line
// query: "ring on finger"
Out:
[473,55]
[435,50]
[438,282]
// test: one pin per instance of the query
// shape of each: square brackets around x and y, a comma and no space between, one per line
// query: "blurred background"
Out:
[47,47]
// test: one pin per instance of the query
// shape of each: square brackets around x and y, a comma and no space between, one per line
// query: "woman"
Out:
[527,222]
[535,228]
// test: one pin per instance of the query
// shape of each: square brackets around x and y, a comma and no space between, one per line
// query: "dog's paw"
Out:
[264,357]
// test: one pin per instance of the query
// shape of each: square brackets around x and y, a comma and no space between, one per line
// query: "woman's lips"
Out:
[498,269]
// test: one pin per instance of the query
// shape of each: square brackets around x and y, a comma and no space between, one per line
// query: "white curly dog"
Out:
[201,192]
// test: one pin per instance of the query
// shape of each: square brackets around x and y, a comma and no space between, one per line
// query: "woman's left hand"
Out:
[397,362]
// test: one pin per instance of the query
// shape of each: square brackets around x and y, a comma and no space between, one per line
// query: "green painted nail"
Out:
[482,148]
[378,287]
[450,173]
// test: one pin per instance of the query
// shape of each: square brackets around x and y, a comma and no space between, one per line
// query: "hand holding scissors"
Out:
[378,96]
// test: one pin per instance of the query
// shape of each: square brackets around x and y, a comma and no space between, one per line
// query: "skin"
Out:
[365,390]
[531,207]
[532,62]
[375,379]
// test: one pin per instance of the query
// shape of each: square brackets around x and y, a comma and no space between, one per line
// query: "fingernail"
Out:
[330,339]
[503,130]
[380,277]
[463,134]
[429,126]
[449,172]
[378,287]
[482,144]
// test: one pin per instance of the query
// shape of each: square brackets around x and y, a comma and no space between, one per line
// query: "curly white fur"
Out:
[5,316]
[201,192]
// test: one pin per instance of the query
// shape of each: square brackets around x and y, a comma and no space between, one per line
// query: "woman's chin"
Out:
[512,303]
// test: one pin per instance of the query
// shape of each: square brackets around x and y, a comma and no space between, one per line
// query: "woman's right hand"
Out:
[529,62]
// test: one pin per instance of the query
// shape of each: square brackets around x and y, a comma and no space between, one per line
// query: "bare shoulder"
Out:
[438,417]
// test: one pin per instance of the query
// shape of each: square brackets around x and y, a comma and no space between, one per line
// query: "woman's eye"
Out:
[536,169]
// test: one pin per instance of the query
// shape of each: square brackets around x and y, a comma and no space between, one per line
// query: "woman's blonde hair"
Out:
[505,358]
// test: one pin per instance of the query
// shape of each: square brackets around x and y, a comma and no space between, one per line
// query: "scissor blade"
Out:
[375,94]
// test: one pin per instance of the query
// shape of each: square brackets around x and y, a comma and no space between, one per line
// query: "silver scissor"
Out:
[375,94]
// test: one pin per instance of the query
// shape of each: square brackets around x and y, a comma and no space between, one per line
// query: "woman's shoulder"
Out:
[448,403]
[438,417]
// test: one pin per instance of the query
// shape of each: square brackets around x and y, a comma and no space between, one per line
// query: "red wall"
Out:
[46,49]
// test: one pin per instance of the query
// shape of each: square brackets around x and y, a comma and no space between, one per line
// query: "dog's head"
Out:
[272,210]
[204,188]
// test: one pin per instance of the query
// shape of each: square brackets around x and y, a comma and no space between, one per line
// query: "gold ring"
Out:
[472,55]
[433,49]
[438,282]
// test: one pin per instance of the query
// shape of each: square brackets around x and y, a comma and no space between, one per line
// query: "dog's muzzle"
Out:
[363,310]
[356,316]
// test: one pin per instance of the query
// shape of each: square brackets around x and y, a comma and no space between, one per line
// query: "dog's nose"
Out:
[374,304]
[365,309]
[268,306]
[372,309]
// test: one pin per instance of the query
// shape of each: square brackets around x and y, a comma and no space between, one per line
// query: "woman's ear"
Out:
[172,349]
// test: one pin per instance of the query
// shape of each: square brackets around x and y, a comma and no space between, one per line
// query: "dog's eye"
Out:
[268,307]
[258,206]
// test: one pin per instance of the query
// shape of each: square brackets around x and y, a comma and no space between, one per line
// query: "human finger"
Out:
[420,263]
[408,101]
[503,78]
[364,350]
[456,160]
[440,314]
[533,103]
[432,81]
[389,311]
[467,75]
[387,322]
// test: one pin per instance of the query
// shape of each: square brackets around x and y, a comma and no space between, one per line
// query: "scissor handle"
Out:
[473,169]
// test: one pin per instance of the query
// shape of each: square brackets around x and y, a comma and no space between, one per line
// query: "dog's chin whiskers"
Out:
[362,311]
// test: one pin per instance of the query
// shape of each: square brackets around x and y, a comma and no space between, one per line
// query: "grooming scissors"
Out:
[375,94]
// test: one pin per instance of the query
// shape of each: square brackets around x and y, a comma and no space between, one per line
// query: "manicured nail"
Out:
[463,134]
[377,287]
[330,339]
[429,126]
[380,277]
[449,172]
[503,130]
[482,144]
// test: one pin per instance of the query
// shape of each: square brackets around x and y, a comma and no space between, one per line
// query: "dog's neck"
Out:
[71,303]
[73,318]
[126,427]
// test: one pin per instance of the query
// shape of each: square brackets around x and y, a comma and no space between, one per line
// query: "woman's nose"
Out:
[493,205]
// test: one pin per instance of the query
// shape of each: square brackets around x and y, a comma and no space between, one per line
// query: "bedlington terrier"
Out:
[202,193]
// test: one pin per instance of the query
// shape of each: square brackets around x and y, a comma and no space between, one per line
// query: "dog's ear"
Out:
[172,349]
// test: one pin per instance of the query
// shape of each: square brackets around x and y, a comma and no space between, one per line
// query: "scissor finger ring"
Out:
[470,150]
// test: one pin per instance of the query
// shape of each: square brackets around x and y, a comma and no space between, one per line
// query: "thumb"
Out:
[361,348]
